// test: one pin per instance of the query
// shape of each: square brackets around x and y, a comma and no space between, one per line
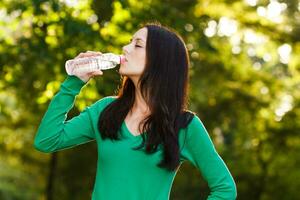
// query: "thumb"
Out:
[96,73]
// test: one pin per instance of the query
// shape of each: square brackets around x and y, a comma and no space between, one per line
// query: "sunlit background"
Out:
[244,76]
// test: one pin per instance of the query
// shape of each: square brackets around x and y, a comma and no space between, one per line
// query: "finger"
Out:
[95,52]
[82,55]
[97,73]
[93,74]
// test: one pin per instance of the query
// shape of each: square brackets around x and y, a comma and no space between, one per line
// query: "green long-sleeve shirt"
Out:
[124,173]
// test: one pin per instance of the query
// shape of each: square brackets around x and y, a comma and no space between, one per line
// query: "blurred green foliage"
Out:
[245,81]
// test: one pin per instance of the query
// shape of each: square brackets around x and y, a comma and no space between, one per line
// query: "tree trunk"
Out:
[51,177]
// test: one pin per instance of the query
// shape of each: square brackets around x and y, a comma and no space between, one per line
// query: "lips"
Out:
[122,59]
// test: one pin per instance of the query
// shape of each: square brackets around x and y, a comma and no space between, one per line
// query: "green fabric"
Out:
[124,173]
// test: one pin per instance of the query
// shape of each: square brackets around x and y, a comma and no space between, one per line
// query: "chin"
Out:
[125,71]
[121,71]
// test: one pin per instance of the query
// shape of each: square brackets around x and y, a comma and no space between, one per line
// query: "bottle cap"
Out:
[122,59]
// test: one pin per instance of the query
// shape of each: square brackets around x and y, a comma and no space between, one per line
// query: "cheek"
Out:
[142,58]
[138,64]
[138,59]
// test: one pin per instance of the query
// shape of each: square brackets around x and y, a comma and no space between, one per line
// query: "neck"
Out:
[140,106]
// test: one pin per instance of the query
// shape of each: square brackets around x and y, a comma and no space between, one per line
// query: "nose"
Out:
[124,50]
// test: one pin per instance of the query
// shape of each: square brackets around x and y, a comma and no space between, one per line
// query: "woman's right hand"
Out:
[86,77]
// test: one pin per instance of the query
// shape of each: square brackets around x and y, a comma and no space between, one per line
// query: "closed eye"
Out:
[137,46]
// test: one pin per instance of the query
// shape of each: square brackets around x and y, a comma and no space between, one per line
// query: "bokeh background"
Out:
[244,76]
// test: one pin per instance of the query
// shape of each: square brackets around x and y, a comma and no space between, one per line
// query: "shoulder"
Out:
[107,99]
[193,123]
[185,118]
[196,130]
[192,129]
[100,104]
[196,134]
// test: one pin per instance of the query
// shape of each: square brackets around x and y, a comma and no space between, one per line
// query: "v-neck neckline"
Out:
[127,131]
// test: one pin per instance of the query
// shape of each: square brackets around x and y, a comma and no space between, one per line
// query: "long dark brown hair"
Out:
[164,86]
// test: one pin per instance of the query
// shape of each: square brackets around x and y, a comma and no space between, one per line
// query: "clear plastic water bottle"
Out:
[79,66]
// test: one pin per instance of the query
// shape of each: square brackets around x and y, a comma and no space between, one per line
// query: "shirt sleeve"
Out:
[200,151]
[54,133]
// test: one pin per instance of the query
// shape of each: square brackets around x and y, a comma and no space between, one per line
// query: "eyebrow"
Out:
[137,39]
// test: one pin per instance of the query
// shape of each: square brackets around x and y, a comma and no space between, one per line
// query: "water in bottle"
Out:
[80,66]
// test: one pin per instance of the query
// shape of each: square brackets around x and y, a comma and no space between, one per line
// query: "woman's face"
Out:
[135,55]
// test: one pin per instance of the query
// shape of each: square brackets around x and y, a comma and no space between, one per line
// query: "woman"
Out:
[145,132]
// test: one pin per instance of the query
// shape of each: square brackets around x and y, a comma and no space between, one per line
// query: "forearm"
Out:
[50,130]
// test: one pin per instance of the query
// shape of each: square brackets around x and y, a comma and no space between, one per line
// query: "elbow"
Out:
[226,192]
[40,148]
[232,191]
[44,143]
